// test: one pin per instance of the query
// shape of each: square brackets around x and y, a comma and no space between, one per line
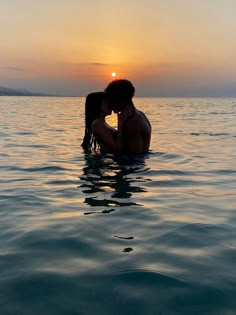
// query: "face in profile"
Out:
[115,108]
[105,109]
[113,105]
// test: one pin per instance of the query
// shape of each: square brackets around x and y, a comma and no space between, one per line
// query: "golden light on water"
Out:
[112,120]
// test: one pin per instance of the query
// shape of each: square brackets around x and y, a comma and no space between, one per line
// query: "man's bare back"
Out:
[136,133]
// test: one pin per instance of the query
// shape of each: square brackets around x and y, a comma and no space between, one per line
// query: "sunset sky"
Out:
[166,48]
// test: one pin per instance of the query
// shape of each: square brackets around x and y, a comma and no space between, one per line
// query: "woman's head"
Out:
[93,104]
[93,108]
[105,109]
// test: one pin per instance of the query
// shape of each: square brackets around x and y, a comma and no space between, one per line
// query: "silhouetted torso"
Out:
[136,133]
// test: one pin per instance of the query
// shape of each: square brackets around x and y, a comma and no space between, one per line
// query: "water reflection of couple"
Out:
[111,182]
[134,129]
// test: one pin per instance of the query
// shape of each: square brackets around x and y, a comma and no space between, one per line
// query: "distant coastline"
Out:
[5,91]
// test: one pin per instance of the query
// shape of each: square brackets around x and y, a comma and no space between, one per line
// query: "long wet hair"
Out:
[93,104]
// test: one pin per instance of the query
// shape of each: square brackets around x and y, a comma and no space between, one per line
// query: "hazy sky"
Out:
[166,48]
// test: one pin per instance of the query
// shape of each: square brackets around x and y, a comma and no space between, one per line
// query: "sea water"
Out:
[89,234]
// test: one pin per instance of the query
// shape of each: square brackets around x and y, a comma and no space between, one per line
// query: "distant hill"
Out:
[4,91]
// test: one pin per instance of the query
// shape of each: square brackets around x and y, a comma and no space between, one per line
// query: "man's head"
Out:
[118,94]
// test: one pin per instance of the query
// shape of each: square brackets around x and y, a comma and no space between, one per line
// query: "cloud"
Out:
[96,64]
[14,69]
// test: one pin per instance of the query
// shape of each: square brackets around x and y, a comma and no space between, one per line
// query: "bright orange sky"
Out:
[166,48]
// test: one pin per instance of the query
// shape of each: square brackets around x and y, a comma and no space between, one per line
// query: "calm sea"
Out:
[86,235]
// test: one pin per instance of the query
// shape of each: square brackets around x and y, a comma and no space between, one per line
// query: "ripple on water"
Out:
[114,294]
[83,234]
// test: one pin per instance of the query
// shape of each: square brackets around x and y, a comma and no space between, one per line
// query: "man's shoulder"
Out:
[137,123]
[132,125]
[140,117]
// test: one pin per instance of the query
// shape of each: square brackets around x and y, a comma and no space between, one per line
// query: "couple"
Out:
[133,134]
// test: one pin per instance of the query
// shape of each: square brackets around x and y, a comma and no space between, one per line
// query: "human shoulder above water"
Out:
[133,134]
[134,128]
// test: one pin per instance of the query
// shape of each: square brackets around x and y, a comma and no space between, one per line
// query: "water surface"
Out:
[83,234]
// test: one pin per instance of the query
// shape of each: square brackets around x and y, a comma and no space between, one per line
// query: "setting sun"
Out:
[113,74]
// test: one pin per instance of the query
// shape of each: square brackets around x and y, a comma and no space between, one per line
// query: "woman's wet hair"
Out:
[93,105]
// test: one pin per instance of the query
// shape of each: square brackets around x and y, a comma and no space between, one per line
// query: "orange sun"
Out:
[113,74]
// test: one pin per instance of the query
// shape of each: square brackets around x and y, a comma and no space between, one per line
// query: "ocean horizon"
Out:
[89,234]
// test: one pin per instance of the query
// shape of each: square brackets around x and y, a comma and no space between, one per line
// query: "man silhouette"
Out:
[134,129]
